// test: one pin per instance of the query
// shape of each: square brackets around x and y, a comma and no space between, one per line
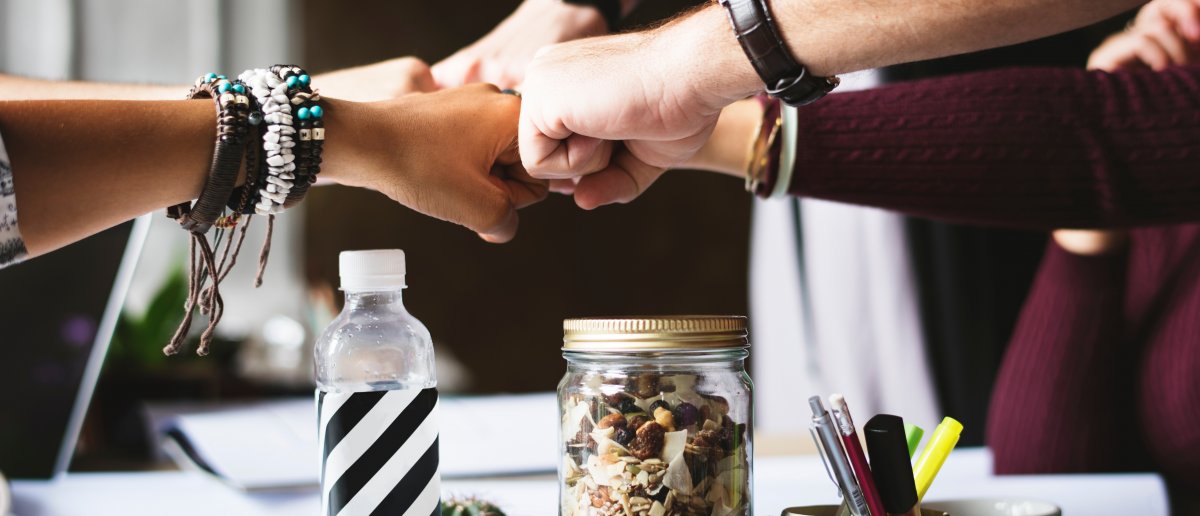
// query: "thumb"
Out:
[555,152]
[623,181]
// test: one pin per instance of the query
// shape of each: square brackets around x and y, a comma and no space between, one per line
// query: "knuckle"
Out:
[496,213]
[485,87]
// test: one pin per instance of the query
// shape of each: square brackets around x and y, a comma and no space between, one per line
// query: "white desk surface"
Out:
[779,482]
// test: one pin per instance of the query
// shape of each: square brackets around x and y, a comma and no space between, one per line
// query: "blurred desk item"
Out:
[5,497]
[779,482]
[273,445]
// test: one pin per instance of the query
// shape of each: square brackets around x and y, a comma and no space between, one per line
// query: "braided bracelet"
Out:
[233,121]
[233,108]
[310,129]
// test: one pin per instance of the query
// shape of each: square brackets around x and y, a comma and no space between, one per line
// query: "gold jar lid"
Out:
[655,333]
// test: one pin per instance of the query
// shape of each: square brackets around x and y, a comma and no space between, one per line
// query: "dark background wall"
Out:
[681,248]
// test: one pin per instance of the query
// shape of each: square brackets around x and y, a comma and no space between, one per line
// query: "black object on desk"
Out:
[890,463]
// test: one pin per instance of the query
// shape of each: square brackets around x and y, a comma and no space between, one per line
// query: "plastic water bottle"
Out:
[377,397]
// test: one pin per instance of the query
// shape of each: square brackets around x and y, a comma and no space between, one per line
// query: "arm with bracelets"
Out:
[77,167]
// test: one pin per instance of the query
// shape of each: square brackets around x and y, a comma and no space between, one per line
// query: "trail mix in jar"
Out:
[653,447]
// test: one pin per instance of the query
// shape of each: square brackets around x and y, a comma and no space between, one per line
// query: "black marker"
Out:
[890,464]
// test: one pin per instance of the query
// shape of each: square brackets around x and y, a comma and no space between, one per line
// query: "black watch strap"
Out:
[785,79]
[609,9]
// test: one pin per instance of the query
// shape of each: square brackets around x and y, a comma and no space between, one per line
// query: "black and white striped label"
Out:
[379,452]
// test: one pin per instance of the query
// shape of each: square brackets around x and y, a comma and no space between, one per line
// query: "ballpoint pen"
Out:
[829,440]
[854,450]
[913,434]
[943,439]
[890,465]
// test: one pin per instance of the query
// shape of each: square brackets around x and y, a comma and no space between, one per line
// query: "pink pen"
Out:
[858,459]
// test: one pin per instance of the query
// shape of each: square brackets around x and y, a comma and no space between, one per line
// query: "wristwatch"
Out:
[784,77]
[610,10]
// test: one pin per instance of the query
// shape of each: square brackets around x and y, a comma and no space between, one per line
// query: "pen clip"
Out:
[825,459]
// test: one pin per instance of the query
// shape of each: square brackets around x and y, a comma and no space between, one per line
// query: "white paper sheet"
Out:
[274,445]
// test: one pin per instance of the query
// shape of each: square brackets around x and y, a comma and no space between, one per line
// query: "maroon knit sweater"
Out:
[1103,371]
[1033,147]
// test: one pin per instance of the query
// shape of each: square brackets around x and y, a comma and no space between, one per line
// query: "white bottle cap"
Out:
[369,270]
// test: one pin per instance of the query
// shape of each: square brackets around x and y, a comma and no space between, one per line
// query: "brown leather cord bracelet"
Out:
[233,107]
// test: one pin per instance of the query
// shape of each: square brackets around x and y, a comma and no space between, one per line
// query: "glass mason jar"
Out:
[656,417]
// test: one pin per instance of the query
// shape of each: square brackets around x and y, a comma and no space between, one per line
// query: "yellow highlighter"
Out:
[944,437]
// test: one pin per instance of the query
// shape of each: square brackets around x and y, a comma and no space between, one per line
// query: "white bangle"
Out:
[279,140]
[787,152]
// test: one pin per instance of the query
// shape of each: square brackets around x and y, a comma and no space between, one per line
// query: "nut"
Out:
[600,497]
[664,418]
[649,441]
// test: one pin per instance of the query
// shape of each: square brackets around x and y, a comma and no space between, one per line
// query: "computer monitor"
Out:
[57,316]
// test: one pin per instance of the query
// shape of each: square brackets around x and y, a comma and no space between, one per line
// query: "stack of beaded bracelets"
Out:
[258,106]
[294,135]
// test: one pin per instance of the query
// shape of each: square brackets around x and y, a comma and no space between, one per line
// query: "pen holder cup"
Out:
[832,510]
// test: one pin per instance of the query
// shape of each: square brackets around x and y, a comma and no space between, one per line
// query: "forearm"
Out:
[1035,148]
[21,88]
[80,167]
[839,36]
[727,151]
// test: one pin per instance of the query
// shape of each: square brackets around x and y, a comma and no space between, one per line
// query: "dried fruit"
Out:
[646,386]
[731,435]
[649,441]
[686,415]
[657,405]
[710,443]
[585,431]
[636,421]
[653,452]
[623,436]
[612,420]
[663,417]
[720,405]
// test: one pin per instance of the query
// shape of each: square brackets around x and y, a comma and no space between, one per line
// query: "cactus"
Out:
[469,507]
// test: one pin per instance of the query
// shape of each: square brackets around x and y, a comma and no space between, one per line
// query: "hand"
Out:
[500,57]
[379,81]
[1165,33]
[606,116]
[449,154]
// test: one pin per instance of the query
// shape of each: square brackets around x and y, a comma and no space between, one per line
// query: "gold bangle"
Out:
[768,129]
